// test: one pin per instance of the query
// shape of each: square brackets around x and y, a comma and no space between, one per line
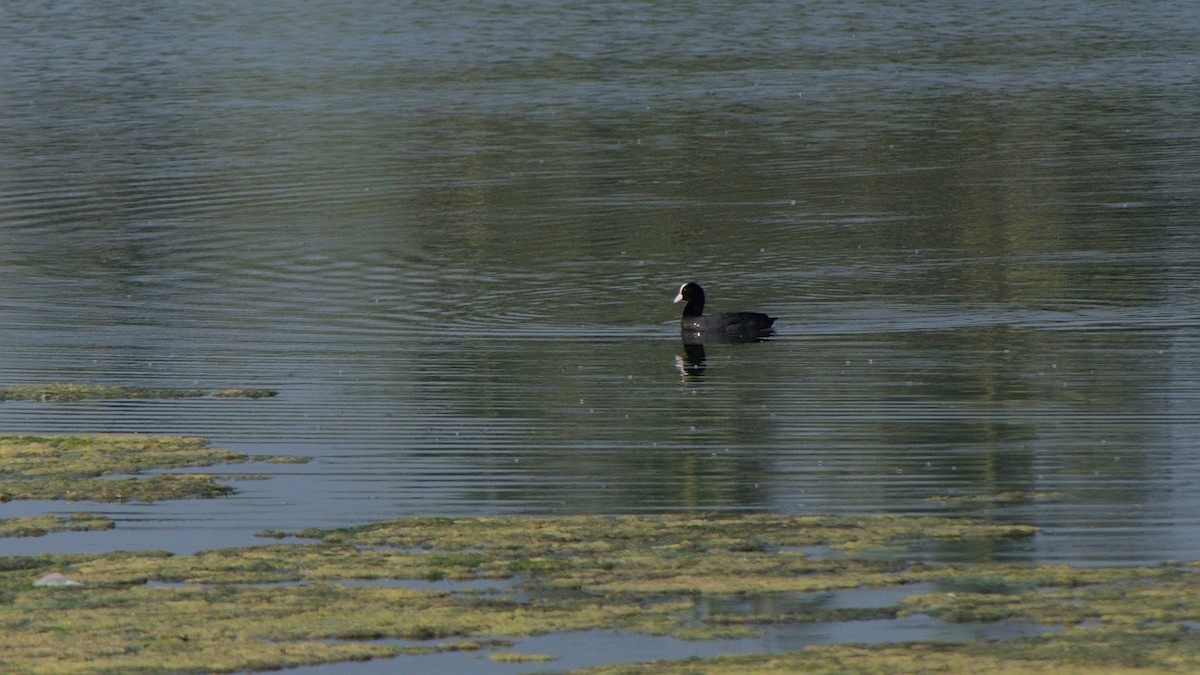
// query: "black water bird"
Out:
[723,326]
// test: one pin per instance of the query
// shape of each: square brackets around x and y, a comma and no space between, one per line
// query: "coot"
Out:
[743,324]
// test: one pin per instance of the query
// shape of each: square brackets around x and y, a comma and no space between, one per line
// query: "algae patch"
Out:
[106,468]
[40,525]
[244,393]
[285,604]
[1008,498]
[515,657]
[281,604]
[63,392]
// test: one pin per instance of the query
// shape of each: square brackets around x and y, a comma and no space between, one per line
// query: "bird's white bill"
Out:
[679,295]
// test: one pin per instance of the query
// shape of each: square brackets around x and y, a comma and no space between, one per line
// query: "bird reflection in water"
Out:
[692,362]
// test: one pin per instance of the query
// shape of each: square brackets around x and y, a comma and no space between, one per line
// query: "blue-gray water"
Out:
[449,236]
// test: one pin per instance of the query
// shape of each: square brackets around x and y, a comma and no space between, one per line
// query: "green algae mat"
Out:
[65,392]
[306,601]
[77,468]
[329,596]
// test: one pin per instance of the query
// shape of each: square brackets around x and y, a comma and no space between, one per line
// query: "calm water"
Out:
[449,236]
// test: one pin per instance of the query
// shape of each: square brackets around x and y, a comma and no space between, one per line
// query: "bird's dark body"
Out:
[741,323]
[732,324]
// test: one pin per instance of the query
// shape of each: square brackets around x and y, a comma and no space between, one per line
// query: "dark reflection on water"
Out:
[448,237]
[692,363]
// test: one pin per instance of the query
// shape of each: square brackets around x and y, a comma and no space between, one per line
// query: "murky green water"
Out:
[449,236]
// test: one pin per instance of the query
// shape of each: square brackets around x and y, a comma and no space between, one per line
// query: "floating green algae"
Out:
[244,393]
[75,468]
[286,604]
[64,392]
[39,525]
[680,553]
[516,657]
[1069,652]
[997,499]
[673,532]
[235,609]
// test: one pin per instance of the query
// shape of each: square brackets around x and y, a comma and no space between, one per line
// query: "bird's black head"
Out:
[693,295]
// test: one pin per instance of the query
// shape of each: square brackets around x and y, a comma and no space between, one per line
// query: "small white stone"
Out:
[56,579]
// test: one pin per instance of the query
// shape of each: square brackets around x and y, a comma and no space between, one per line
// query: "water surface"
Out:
[449,237]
